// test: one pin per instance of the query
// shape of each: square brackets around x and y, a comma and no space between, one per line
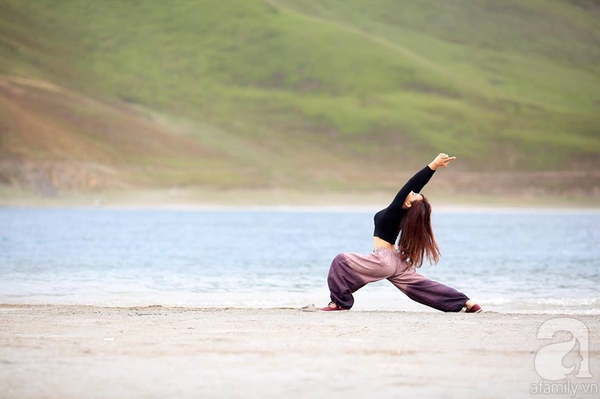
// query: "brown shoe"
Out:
[333,307]
[474,309]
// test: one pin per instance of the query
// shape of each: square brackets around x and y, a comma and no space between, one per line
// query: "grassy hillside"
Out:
[293,93]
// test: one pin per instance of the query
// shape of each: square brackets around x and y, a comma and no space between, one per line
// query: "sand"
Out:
[62,351]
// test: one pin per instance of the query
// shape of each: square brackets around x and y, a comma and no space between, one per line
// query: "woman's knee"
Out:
[339,259]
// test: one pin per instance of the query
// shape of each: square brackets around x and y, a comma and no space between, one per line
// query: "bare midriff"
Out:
[380,243]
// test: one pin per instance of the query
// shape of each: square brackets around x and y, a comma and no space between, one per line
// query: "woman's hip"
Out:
[374,266]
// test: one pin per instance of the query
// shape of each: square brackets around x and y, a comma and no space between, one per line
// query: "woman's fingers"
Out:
[443,159]
[446,160]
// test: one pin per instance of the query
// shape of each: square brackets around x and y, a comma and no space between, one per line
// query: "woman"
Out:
[409,215]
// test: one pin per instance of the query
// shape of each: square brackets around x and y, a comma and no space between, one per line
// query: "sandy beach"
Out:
[61,351]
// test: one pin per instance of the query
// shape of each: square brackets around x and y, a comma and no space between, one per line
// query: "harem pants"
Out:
[350,272]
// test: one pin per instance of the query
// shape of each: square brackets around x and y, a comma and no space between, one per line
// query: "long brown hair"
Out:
[417,241]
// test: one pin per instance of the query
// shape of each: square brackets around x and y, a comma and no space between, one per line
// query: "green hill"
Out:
[292,93]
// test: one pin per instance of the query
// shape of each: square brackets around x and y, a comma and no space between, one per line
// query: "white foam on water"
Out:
[365,300]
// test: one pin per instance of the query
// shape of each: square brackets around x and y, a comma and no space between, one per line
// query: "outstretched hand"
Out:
[441,160]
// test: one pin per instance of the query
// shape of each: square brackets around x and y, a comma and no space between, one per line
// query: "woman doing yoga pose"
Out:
[409,218]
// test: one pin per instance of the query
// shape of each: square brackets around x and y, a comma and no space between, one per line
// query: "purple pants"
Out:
[350,272]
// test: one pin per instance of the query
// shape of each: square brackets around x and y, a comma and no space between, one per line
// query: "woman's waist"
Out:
[379,243]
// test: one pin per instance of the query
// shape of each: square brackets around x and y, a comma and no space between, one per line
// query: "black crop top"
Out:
[387,221]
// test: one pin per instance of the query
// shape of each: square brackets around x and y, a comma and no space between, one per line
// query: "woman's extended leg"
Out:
[428,292]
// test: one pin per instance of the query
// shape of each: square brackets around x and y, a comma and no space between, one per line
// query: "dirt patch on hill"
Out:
[54,139]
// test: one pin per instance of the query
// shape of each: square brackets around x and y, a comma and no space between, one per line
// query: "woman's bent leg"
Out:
[343,281]
[428,292]
[350,272]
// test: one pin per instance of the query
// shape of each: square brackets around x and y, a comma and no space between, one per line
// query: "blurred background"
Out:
[290,100]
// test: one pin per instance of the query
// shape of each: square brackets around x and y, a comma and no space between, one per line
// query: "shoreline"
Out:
[449,210]
[51,351]
[440,208]
[306,308]
[286,200]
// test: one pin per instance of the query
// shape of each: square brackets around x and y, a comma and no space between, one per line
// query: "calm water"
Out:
[507,261]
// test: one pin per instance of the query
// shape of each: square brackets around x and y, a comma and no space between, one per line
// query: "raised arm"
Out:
[415,183]
[419,180]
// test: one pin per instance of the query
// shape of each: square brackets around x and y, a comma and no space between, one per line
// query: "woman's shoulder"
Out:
[380,214]
[389,215]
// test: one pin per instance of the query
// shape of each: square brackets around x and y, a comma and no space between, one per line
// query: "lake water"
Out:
[508,261]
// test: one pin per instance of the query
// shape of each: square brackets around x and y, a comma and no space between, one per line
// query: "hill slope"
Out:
[284,93]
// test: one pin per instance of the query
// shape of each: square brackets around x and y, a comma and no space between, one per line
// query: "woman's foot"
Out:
[472,307]
[333,307]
